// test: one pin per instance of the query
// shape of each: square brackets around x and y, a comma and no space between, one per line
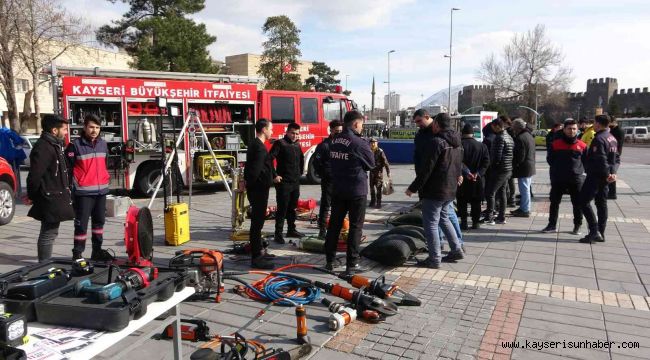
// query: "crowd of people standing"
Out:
[453,166]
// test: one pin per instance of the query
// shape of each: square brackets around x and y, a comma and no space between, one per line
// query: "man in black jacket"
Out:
[523,165]
[601,163]
[48,186]
[350,161]
[619,135]
[322,166]
[289,161]
[476,159]
[438,174]
[500,171]
[259,175]
[565,158]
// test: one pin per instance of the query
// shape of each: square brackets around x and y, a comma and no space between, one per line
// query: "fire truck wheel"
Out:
[312,176]
[147,178]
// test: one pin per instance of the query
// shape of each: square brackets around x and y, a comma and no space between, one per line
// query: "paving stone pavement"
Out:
[565,289]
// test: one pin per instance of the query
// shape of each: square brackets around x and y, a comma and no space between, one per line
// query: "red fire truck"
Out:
[227,105]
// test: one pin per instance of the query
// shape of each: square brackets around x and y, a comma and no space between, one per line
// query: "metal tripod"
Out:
[193,121]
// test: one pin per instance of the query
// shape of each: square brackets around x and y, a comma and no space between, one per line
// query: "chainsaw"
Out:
[205,270]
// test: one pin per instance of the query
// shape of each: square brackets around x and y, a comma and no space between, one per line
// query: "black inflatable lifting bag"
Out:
[410,230]
[392,249]
[412,218]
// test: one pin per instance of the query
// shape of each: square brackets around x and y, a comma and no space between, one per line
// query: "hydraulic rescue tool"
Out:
[205,270]
[341,315]
[131,279]
[378,287]
[191,329]
[359,300]
[236,347]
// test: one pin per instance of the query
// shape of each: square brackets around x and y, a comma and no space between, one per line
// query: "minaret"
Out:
[372,106]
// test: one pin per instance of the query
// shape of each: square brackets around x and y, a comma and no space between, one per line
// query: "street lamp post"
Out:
[389,95]
[534,111]
[451,32]
[346,81]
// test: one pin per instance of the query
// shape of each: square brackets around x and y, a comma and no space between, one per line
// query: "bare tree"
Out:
[9,9]
[46,31]
[530,68]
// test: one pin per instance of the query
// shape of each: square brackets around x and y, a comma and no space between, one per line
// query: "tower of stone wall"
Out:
[475,95]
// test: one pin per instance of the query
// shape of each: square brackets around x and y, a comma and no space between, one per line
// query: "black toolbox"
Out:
[64,308]
[20,294]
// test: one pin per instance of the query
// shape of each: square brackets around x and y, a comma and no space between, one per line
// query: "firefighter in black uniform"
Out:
[259,175]
[601,163]
[289,161]
[350,160]
[322,166]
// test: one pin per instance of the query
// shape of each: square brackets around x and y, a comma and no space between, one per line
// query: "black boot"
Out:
[593,236]
[76,255]
[278,238]
[322,233]
[378,205]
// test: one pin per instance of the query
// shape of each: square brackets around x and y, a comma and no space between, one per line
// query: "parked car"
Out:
[540,137]
[30,140]
[637,133]
[8,187]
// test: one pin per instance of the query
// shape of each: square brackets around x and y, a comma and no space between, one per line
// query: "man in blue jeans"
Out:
[523,165]
[453,218]
[438,158]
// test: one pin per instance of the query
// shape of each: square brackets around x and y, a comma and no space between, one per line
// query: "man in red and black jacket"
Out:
[90,179]
[564,156]
[601,164]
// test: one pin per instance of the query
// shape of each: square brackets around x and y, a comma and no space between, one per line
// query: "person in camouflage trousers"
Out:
[377,174]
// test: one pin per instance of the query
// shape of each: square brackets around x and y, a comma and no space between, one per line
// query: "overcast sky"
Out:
[599,38]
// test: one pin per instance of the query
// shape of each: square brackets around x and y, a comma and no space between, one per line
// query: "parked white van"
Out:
[637,133]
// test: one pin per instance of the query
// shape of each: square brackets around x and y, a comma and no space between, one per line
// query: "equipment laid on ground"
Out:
[393,249]
[191,330]
[360,301]
[414,217]
[138,236]
[378,287]
[132,279]
[236,347]
[13,329]
[205,271]
[341,315]
[177,224]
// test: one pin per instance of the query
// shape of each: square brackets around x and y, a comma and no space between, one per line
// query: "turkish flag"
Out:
[287,68]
